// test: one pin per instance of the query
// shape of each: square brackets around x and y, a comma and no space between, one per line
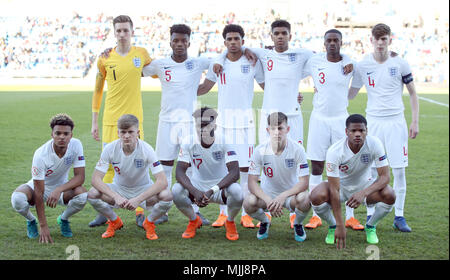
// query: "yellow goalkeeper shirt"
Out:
[123,77]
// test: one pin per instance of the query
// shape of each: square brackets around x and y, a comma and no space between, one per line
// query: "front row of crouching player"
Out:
[281,163]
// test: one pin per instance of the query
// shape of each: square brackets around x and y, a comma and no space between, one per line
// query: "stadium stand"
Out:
[67,47]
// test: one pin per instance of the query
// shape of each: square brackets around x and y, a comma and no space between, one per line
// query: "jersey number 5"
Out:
[168,76]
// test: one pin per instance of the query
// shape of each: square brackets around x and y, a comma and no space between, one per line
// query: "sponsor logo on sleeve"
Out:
[303,166]
[382,158]
[156,163]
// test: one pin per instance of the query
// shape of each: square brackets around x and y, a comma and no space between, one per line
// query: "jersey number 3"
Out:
[322,78]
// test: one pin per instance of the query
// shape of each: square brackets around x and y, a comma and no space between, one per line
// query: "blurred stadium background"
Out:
[56,43]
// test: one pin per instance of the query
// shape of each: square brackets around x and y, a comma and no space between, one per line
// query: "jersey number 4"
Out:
[371,82]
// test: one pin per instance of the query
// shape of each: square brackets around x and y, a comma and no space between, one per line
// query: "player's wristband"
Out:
[215,188]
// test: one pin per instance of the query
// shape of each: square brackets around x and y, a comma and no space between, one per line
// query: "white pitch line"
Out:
[432,101]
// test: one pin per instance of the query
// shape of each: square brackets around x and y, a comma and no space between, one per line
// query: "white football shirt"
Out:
[179,84]
[280,172]
[331,99]
[235,97]
[51,168]
[384,84]
[354,170]
[130,170]
[209,166]
[282,75]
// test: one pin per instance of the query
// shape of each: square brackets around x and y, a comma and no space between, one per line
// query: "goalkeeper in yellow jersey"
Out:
[122,72]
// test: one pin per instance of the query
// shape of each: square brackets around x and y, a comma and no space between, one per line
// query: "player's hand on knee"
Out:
[52,200]
[132,204]
[120,201]
[355,200]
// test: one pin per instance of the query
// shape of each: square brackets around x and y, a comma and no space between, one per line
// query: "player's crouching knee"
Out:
[235,191]
[302,201]
[250,203]
[388,195]
[165,195]
[178,193]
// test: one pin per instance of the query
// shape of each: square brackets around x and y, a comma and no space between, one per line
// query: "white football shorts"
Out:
[393,133]
[242,139]
[322,133]
[169,137]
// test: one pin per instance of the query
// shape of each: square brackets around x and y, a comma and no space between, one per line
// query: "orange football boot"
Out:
[246,221]
[220,222]
[192,228]
[112,227]
[231,233]
[314,222]
[149,229]
[354,224]
[292,219]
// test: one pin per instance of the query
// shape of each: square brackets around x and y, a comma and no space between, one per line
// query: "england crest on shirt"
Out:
[292,57]
[245,69]
[393,71]
[365,158]
[217,155]
[68,161]
[289,162]
[139,163]
[137,62]
[189,65]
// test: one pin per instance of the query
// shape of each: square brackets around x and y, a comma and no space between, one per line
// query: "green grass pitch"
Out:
[24,120]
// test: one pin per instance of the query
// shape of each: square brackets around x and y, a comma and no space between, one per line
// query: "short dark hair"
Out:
[180,28]
[233,28]
[380,29]
[126,121]
[205,114]
[122,19]
[276,118]
[61,119]
[280,23]
[333,31]
[355,118]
